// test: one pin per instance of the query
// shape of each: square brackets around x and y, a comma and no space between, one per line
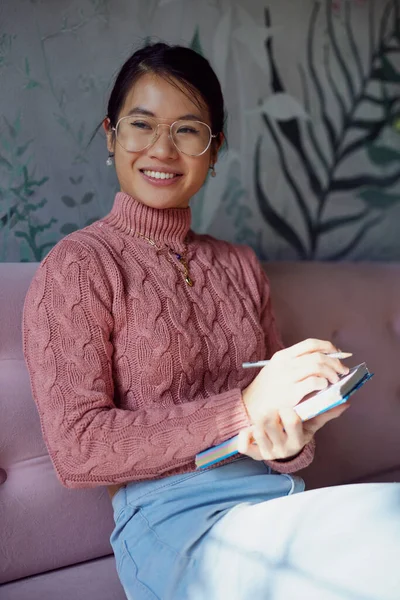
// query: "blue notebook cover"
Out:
[222,451]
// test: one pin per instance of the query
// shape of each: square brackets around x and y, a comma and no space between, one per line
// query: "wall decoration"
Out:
[311,170]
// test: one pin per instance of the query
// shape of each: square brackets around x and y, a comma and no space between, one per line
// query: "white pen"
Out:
[262,363]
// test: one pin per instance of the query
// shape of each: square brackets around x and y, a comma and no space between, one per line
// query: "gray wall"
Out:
[312,91]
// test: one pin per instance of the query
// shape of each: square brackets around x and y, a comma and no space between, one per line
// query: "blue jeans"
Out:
[241,532]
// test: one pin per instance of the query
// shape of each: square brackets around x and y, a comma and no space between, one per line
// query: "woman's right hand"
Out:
[290,375]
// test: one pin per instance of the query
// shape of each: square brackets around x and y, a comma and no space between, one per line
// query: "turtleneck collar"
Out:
[167,226]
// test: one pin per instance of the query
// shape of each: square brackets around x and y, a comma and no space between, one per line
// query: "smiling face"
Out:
[160,176]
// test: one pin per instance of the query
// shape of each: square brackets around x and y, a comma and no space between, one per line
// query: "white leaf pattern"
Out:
[281,107]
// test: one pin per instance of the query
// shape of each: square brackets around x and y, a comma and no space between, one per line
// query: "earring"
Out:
[213,173]
[109,161]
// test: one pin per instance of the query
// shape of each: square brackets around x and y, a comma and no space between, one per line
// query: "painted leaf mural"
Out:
[311,170]
[370,188]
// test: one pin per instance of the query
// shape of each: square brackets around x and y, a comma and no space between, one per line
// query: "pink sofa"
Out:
[54,542]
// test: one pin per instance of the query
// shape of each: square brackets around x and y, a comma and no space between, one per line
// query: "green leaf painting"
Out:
[87,198]
[311,167]
[377,198]
[195,43]
[21,199]
[68,228]
[345,137]
[68,201]
[383,155]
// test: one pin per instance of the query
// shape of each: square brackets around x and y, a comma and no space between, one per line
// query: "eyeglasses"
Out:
[135,134]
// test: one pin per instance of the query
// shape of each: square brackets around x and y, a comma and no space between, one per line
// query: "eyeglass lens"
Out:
[136,133]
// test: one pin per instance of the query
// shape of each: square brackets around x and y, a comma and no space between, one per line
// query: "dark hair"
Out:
[176,64]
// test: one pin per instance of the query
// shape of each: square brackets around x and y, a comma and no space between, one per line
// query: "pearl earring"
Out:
[109,161]
[213,173]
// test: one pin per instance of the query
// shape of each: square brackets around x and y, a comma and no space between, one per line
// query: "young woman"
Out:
[135,330]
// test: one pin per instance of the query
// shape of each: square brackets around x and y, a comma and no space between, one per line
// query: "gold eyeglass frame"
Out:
[156,135]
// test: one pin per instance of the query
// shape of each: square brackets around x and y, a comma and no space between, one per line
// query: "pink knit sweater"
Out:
[132,370]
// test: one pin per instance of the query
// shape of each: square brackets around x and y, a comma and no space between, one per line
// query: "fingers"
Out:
[319,421]
[255,443]
[246,444]
[263,441]
[320,365]
[273,427]
[311,345]
[309,359]
[281,436]
[293,430]
[308,386]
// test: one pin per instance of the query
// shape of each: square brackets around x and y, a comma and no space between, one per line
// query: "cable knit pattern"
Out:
[133,371]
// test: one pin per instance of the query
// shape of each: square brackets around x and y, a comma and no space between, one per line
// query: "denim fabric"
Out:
[242,532]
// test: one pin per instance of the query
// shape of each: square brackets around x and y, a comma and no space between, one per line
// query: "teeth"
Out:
[159,175]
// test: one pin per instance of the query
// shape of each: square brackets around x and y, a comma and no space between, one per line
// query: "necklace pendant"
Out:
[180,257]
[189,281]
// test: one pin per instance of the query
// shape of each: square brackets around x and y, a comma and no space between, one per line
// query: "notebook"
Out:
[334,395]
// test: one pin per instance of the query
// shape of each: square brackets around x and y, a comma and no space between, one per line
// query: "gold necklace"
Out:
[181,257]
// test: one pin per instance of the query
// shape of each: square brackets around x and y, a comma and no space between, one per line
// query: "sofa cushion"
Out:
[43,525]
[94,580]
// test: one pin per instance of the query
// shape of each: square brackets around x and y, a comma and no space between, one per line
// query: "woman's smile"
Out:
[159,176]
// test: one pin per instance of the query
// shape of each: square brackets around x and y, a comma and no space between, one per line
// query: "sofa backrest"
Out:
[43,525]
[357,306]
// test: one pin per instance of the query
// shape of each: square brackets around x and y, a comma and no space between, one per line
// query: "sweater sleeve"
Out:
[273,344]
[67,341]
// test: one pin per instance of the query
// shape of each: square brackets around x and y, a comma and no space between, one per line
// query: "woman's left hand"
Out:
[283,434]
